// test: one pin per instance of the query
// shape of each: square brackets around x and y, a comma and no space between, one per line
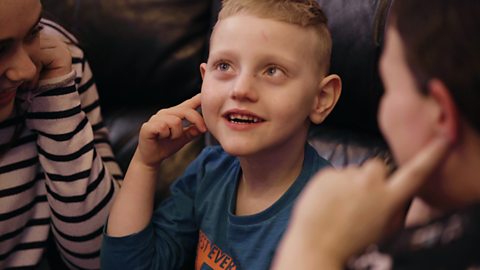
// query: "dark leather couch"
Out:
[145,56]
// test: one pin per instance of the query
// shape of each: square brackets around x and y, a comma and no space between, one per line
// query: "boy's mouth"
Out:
[242,118]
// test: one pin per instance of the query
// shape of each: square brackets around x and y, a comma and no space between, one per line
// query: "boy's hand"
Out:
[342,212]
[164,134]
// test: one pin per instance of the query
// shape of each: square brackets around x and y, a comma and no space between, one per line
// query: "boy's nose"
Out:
[21,67]
[244,88]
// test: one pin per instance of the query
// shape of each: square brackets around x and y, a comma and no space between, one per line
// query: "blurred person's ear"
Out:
[447,118]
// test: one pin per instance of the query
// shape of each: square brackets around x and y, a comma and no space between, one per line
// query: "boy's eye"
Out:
[273,71]
[223,66]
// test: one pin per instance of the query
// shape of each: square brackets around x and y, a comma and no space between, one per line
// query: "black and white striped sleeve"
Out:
[79,187]
[75,154]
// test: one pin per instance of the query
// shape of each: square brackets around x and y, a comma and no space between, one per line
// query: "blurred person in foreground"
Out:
[430,116]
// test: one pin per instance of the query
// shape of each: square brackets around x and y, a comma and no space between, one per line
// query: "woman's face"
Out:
[18,42]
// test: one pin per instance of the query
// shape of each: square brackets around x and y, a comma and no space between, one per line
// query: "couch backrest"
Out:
[142,52]
[351,133]
[357,28]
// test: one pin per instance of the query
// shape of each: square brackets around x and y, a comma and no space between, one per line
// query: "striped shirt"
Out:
[60,175]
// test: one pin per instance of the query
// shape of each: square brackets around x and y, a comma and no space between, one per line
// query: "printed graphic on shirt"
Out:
[211,257]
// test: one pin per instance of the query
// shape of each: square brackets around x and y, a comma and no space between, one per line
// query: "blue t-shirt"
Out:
[196,226]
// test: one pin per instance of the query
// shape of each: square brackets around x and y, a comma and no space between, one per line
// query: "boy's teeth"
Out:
[243,118]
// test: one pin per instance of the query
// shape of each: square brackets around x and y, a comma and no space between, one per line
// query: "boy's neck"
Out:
[462,170]
[265,179]
[458,177]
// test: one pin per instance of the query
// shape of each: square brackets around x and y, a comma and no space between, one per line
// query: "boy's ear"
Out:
[329,91]
[203,68]
[447,117]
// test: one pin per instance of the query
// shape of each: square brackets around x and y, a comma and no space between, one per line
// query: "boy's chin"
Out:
[238,150]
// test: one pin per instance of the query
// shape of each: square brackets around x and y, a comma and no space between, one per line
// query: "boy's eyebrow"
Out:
[221,53]
[280,58]
[266,57]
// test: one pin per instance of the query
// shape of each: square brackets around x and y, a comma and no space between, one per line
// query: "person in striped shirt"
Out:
[58,174]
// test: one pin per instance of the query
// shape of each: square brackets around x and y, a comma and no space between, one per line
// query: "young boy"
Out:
[430,117]
[264,82]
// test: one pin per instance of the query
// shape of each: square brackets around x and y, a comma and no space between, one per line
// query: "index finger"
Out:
[193,102]
[409,178]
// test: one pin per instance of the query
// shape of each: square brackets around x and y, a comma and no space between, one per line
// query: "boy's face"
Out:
[410,120]
[403,113]
[260,84]
[18,41]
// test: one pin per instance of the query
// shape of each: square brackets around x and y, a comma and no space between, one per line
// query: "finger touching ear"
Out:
[194,102]
[409,178]
[327,97]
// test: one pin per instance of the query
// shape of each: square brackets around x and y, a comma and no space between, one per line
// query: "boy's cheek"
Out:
[208,89]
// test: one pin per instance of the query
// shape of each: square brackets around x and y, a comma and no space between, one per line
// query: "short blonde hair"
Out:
[304,13]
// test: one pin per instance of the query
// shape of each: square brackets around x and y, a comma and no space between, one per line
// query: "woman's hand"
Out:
[53,60]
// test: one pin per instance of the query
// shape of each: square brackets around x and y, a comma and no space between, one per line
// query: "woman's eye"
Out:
[3,48]
[34,33]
